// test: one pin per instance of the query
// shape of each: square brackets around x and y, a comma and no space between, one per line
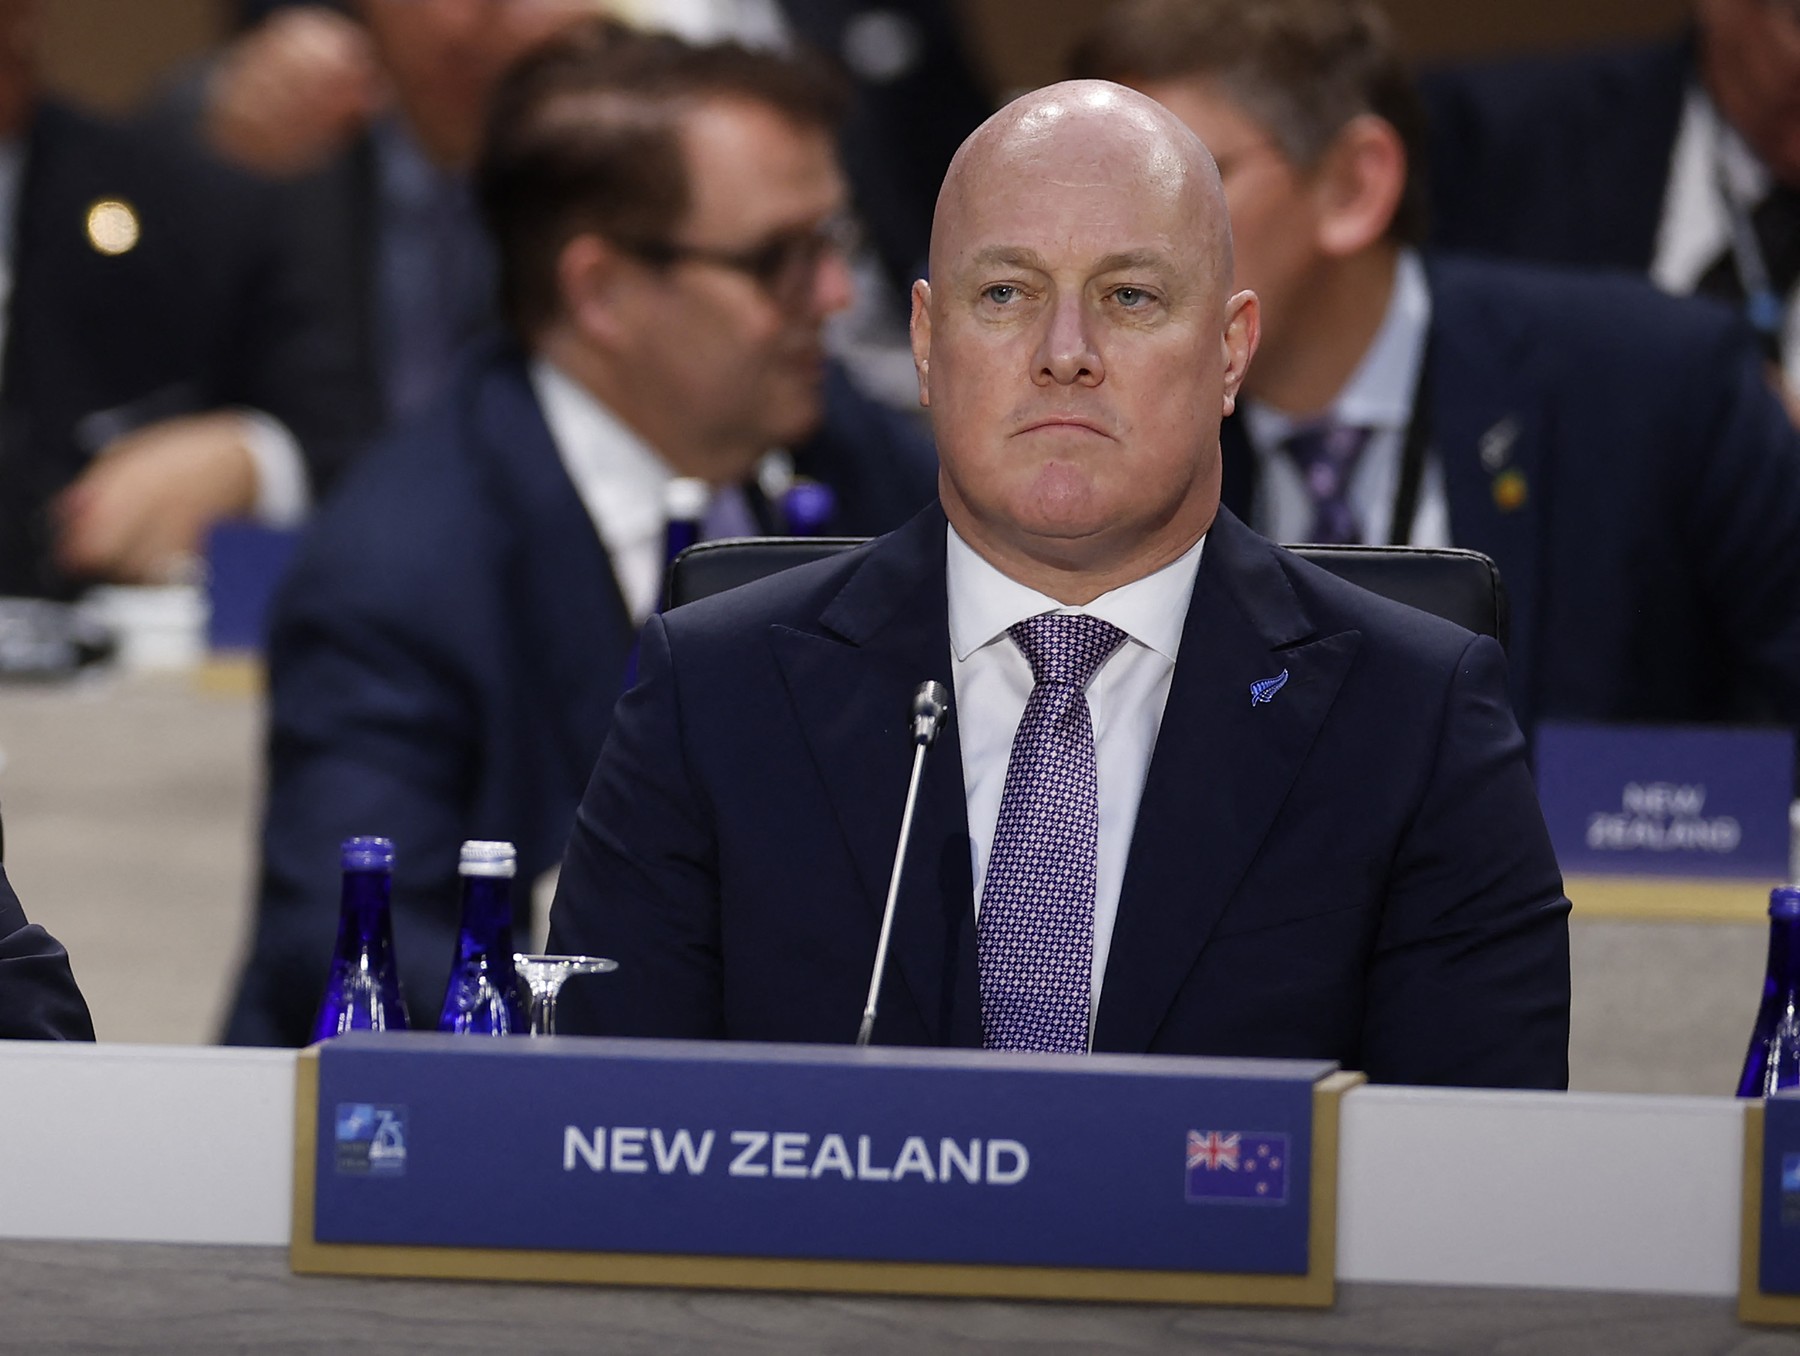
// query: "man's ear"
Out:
[1243,331]
[921,338]
[1359,184]
[589,288]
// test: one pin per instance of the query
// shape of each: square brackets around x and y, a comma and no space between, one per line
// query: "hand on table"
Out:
[140,512]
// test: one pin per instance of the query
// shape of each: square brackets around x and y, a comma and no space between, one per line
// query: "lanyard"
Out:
[1762,304]
[1412,456]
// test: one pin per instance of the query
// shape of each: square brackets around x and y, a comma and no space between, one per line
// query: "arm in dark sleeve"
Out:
[639,881]
[367,735]
[1469,980]
[38,997]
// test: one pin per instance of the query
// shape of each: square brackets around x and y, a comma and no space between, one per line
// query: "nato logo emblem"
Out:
[1790,1190]
[1263,692]
[1237,1168]
[371,1140]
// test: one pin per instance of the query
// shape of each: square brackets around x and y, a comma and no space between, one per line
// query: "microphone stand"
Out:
[930,705]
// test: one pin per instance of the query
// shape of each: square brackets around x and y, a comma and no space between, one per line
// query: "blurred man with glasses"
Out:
[448,649]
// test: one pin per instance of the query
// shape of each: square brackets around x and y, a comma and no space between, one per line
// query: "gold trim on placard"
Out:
[1316,1289]
[1668,899]
[1753,1305]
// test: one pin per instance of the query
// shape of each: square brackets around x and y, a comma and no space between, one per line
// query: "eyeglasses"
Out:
[785,266]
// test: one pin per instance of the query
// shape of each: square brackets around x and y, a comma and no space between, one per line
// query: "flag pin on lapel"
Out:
[1263,692]
[1510,491]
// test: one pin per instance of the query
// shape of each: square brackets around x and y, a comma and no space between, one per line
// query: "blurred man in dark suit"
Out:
[1679,159]
[376,119]
[1616,451]
[1195,796]
[376,106]
[450,644]
[164,366]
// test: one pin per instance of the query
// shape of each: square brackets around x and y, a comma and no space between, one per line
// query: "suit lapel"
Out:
[1221,769]
[852,685]
[1488,422]
[580,631]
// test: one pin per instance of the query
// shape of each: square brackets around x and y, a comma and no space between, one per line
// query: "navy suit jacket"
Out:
[1653,564]
[38,997]
[208,309]
[446,653]
[1562,160]
[1357,870]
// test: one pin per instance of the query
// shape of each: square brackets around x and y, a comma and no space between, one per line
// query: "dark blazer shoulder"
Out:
[1559,158]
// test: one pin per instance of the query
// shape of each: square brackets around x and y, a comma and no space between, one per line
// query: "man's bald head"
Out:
[1092,130]
[1077,343]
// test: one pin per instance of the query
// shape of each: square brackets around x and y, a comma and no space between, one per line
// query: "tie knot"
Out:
[1327,449]
[1065,647]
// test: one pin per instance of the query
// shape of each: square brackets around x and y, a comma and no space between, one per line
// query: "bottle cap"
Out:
[685,499]
[1784,902]
[368,854]
[808,506]
[488,859]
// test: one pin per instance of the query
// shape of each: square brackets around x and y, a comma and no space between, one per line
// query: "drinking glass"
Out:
[544,977]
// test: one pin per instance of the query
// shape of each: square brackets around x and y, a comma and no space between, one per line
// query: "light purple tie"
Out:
[1035,933]
[1326,454]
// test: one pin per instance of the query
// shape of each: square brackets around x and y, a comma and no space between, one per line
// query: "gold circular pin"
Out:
[112,226]
[1509,491]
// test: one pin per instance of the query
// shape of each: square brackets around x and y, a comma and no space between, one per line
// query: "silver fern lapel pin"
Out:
[1262,693]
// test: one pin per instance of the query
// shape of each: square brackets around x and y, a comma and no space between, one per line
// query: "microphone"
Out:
[931,703]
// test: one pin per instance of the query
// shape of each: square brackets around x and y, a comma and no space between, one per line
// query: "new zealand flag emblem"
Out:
[1235,1166]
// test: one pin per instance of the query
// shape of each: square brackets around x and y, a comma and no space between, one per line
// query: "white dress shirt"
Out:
[621,481]
[992,681]
[1710,160]
[1379,396]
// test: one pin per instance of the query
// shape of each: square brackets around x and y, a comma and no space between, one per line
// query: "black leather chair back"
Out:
[1460,586]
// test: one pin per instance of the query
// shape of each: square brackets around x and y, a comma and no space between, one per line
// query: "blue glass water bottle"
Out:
[483,997]
[363,992]
[1773,1060]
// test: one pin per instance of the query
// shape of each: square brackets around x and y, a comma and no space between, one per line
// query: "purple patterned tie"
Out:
[1326,455]
[1035,934]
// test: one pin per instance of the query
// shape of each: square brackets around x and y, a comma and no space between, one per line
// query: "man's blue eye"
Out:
[1000,292]
[1131,297]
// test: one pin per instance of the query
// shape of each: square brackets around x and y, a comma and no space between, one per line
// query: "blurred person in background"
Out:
[1678,159]
[164,366]
[1616,451]
[376,105]
[375,120]
[458,626]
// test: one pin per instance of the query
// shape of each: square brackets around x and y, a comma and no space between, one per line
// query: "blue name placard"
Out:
[1666,801]
[1779,1260]
[805,1152]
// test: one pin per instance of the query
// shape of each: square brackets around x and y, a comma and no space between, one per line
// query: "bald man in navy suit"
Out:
[1267,813]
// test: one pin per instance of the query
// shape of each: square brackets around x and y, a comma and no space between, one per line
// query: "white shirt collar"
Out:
[984,602]
[617,474]
[1379,394]
[1696,217]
